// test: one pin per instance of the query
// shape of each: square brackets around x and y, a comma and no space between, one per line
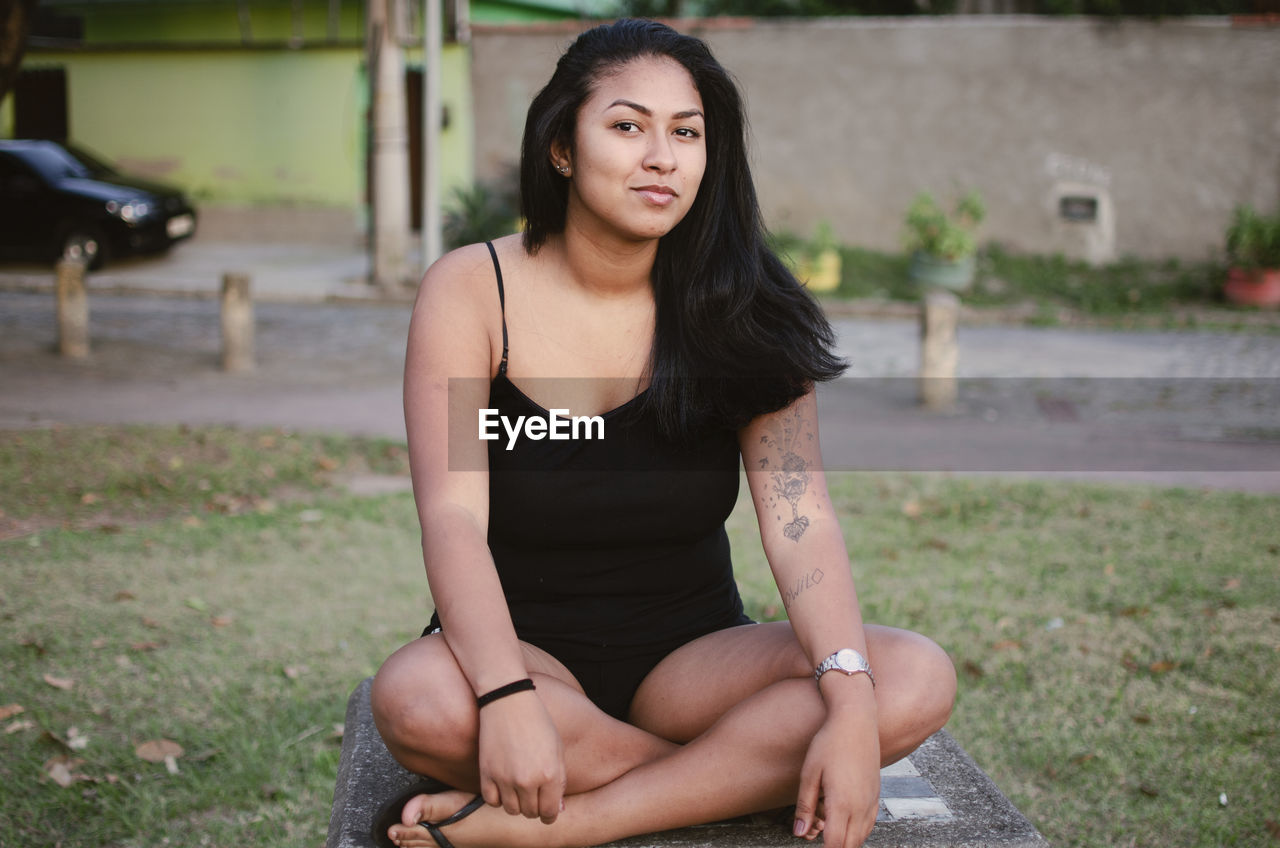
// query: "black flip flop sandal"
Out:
[433,828]
[390,812]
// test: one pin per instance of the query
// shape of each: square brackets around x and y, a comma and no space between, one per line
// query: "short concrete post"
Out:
[73,309]
[939,314]
[237,323]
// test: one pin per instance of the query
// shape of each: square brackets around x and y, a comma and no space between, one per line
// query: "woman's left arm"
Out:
[807,554]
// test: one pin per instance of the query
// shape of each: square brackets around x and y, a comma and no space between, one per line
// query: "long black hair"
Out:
[736,335]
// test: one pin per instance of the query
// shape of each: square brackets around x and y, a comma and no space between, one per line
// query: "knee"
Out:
[922,689]
[421,707]
[935,677]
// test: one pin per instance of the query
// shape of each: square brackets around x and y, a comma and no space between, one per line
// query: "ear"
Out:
[560,159]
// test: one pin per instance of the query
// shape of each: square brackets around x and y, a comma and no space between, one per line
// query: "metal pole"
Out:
[432,110]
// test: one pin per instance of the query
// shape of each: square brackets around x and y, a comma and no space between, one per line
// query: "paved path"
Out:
[1188,408]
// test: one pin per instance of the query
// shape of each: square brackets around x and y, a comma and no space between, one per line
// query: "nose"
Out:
[661,155]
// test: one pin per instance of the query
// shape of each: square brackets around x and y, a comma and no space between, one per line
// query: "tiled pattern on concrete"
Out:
[906,794]
[937,797]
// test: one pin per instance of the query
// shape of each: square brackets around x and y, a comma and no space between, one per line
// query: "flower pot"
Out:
[929,270]
[822,274]
[1253,286]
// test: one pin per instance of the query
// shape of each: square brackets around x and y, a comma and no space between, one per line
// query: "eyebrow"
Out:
[645,110]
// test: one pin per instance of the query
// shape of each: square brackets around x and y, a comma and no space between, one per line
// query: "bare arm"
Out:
[449,363]
[807,554]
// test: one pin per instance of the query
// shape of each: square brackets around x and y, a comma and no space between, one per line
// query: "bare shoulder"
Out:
[466,278]
[457,312]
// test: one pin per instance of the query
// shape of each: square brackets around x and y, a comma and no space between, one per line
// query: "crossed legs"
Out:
[718,729]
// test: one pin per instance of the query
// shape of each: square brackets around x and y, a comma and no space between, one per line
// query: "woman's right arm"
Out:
[448,366]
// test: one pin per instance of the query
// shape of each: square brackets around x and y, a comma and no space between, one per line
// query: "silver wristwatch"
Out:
[847,660]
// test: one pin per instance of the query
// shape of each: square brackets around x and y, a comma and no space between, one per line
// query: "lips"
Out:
[658,195]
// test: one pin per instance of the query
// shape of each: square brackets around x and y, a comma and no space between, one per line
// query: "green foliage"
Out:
[482,212]
[947,236]
[1253,239]
[831,8]
[1049,284]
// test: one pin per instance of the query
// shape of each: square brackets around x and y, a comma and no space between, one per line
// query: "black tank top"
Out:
[611,547]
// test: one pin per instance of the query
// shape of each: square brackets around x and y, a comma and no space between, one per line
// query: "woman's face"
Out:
[640,152]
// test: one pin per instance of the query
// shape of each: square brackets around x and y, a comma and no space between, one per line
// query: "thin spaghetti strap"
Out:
[502,304]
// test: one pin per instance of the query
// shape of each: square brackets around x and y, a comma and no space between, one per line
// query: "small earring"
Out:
[564,169]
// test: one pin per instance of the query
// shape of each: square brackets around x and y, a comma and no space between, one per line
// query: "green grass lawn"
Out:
[1117,647]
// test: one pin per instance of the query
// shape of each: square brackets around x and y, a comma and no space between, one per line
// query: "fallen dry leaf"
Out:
[158,750]
[20,724]
[221,620]
[125,595]
[1232,583]
[326,463]
[1148,790]
[59,682]
[59,770]
[1273,828]
[60,774]
[1141,718]
[938,544]
[11,710]
[293,672]
[1162,666]
[192,521]
[1006,645]
[973,669]
[88,499]
[149,622]
[99,643]
[911,509]
[144,646]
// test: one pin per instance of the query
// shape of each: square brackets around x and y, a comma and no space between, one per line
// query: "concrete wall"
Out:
[1166,125]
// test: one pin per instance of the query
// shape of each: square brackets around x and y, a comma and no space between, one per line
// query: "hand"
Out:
[521,758]
[842,772]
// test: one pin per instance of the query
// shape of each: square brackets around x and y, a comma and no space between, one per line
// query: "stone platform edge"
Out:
[982,817]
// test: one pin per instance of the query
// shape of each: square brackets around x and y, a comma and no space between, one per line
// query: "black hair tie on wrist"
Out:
[503,691]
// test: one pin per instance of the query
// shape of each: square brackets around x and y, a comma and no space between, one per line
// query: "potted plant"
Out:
[942,245]
[819,264]
[1253,258]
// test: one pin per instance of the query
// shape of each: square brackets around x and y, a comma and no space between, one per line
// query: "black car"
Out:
[57,200]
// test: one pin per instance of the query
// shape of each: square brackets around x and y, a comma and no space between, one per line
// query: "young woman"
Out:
[589,673]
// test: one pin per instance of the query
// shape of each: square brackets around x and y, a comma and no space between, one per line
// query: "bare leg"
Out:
[744,759]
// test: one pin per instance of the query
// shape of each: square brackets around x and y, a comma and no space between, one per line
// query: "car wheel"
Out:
[85,243]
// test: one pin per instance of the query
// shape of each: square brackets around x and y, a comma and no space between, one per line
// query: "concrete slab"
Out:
[936,797]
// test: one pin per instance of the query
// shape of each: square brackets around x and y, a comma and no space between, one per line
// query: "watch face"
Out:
[847,659]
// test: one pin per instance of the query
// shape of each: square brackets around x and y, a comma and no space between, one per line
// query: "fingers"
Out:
[550,802]
[544,802]
[807,801]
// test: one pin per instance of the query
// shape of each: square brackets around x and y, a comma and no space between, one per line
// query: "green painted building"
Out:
[244,103]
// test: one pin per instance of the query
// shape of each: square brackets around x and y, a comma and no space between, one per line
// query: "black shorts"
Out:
[611,684]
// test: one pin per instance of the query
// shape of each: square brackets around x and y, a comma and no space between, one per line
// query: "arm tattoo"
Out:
[791,480]
[790,593]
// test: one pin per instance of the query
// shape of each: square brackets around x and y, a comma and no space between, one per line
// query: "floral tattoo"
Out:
[791,480]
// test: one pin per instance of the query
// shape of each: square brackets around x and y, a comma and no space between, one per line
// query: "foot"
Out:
[430,808]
